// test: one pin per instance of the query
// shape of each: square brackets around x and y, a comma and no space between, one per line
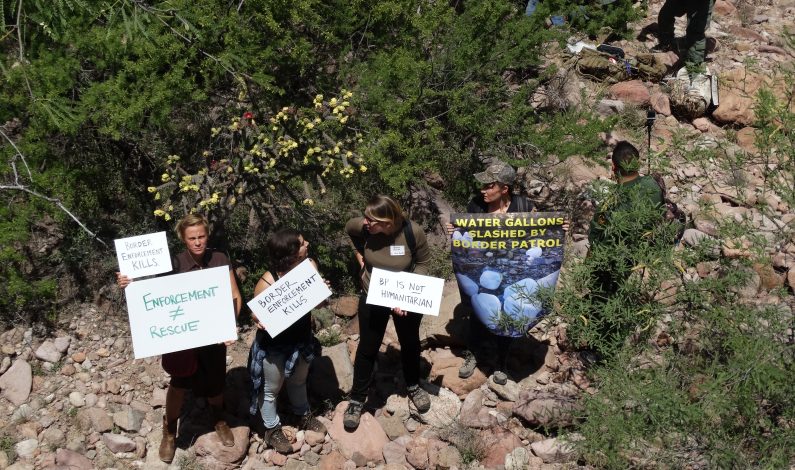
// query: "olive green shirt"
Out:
[641,190]
[384,251]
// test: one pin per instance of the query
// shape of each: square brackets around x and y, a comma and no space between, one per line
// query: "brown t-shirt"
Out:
[184,262]
[390,252]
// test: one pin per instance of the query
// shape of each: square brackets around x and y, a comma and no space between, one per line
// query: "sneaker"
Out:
[420,398]
[275,438]
[352,415]
[470,363]
[500,377]
[310,423]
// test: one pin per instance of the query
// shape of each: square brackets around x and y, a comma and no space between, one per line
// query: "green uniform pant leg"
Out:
[665,20]
[697,23]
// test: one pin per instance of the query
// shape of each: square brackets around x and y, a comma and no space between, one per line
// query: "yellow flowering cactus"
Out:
[256,157]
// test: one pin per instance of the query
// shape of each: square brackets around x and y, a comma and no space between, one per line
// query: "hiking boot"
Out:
[468,368]
[420,398]
[500,377]
[310,423]
[275,438]
[224,433]
[352,415]
[221,428]
[168,445]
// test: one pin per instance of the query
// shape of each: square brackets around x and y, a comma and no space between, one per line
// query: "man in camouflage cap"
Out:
[698,16]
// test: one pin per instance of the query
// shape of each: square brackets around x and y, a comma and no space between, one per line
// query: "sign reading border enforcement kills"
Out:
[504,263]
[289,298]
[407,291]
[182,311]
[143,255]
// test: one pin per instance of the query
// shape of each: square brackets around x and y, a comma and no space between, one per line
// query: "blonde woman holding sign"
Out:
[384,238]
[283,360]
[202,370]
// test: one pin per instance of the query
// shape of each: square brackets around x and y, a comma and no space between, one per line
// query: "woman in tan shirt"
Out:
[385,239]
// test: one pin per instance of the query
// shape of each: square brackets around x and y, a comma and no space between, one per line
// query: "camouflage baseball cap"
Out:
[497,171]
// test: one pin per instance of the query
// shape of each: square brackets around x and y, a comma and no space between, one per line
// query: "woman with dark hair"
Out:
[203,369]
[283,359]
[385,239]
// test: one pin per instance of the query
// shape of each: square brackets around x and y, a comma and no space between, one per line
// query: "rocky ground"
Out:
[77,400]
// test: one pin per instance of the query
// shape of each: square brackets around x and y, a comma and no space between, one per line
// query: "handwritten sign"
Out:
[182,311]
[143,255]
[289,298]
[408,291]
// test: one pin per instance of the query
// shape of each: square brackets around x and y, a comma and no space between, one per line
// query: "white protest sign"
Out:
[143,255]
[182,311]
[407,291]
[289,298]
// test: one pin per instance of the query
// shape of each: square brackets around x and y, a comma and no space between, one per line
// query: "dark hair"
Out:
[283,246]
[384,209]
[626,158]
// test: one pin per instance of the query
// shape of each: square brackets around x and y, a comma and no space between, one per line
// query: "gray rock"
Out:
[26,449]
[607,107]
[395,452]
[53,437]
[77,399]
[518,459]
[129,419]
[445,407]
[553,450]
[117,443]
[16,382]
[62,344]
[5,364]
[48,352]
[22,414]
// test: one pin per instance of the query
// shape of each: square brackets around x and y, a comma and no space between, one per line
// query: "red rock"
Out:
[368,439]
[444,372]
[209,446]
[499,443]
[332,461]
[661,103]
[745,33]
[746,139]
[633,91]
[79,357]
[735,108]
[347,306]
[702,124]
[724,8]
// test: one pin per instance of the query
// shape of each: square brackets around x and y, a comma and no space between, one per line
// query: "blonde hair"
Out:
[191,220]
[384,209]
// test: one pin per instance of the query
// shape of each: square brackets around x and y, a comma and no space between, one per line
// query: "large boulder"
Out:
[332,372]
[214,454]
[16,382]
[368,440]
[632,91]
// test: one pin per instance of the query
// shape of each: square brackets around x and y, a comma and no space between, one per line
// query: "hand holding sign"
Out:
[289,298]
[143,255]
[405,292]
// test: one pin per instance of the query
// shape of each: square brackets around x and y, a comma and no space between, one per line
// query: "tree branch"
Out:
[18,186]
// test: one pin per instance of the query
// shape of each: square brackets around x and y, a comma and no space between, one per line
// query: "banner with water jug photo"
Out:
[506,265]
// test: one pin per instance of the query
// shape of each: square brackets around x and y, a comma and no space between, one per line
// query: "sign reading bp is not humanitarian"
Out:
[143,255]
[182,311]
[407,291]
[289,298]
[503,264]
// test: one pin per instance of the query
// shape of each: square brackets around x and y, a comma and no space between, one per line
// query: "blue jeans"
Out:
[273,379]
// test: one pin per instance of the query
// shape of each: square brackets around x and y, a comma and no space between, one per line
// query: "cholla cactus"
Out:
[256,155]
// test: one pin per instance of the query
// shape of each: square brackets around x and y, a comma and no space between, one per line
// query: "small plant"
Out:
[189,462]
[36,369]
[7,446]
[72,412]
[329,337]
[468,442]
